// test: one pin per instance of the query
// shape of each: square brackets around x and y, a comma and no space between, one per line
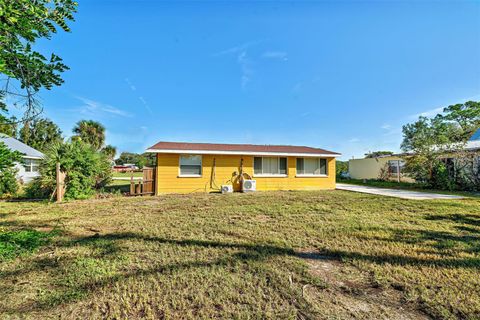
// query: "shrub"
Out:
[86,170]
[8,181]
[36,190]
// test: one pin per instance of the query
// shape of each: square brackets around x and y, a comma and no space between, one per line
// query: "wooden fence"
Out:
[146,186]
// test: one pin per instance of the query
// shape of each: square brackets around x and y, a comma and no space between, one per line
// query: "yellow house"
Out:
[206,167]
[388,167]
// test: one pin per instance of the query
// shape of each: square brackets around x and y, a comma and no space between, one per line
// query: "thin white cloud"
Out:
[433,112]
[280,55]
[386,126]
[235,49]
[130,84]
[428,113]
[353,140]
[145,104]
[246,68]
[92,107]
[297,87]
[142,99]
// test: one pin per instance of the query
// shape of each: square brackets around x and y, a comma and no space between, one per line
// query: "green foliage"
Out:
[91,132]
[86,169]
[15,243]
[8,126]
[110,151]
[8,157]
[375,154]
[8,181]
[37,189]
[465,115]
[40,133]
[141,160]
[341,167]
[430,141]
[23,23]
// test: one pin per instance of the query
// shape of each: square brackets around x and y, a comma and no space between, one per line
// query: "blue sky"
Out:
[344,76]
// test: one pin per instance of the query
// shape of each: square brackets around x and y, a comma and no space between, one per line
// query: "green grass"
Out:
[19,242]
[317,255]
[127,174]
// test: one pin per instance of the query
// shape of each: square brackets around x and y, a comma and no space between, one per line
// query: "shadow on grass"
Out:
[470,219]
[109,246]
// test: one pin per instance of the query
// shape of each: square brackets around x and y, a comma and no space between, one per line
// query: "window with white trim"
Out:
[191,165]
[31,165]
[269,166]
[395,166]
[311,166]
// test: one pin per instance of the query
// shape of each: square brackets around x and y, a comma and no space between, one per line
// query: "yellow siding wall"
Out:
[168,180]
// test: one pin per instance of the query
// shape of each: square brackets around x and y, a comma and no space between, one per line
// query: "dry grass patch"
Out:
[318,255]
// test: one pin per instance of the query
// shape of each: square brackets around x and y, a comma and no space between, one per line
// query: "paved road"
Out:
[404,194]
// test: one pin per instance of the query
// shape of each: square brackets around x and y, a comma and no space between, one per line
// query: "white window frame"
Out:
[309,175]
[31,166]
[180,175]
[270,175]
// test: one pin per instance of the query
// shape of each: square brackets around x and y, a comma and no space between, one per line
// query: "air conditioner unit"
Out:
[227,188]
[249,185]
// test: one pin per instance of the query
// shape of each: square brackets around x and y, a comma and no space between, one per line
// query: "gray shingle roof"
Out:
[21,147]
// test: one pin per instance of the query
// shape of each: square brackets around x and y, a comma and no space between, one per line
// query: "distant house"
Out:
[27,170]
[386,166]
[391,166]
[204,167]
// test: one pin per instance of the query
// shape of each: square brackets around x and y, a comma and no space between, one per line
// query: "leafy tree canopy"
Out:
[23,22]
[40,133]
[431,139]
[141,160]
[465,116]
[8,157]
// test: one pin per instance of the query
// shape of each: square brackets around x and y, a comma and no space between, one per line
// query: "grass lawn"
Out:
[307,255]
[127,174]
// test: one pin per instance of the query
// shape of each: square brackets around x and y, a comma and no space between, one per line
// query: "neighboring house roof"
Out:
[15,145]
[239,149]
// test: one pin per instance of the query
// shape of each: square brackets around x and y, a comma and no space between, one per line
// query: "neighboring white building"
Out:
[31,157]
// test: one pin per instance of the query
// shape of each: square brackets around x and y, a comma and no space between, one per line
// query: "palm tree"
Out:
[91,132]
[110,151]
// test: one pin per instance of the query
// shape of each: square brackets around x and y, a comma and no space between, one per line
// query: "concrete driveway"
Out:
[404,194]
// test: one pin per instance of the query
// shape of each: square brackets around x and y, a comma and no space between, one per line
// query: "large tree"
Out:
[464,116]
[91,132]
[25,70]
[431,140]
[40,133]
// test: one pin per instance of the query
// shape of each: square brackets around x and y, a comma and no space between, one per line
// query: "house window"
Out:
[311,166]
[395,166]
[31,165]
[190,165]
[269,166]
